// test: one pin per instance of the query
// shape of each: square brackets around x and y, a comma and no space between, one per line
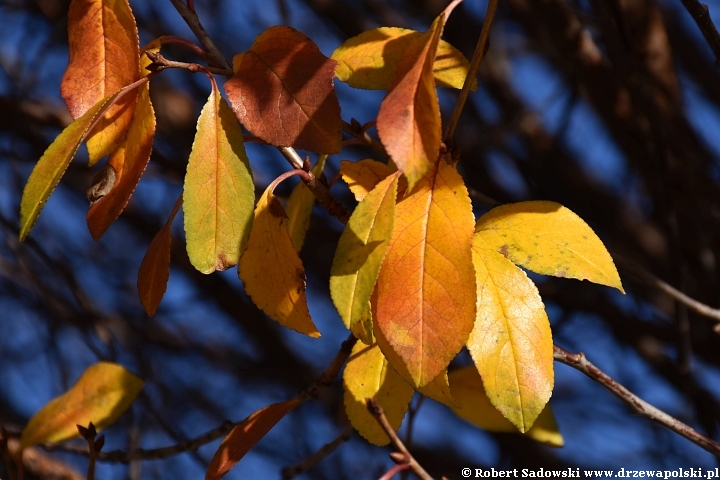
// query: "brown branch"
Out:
[214,55]
[638,405]
[472,71]
[404,457]
[160,63]
[363,137]
[701,14]
[317,457]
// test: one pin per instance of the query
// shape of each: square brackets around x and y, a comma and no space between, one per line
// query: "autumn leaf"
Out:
[219,190]
[363,328]
[474,406]
[371,59]
[129,163]
[155,267]
[283,92]
[101,394]
[363,175]
[426,288]
[104,57]
[361,250]
[511,343]
[549,239]
[300,205]
[271,270]
[368,375]
[245,435]
[53,163]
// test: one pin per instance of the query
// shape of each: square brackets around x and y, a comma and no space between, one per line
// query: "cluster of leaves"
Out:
[415,277]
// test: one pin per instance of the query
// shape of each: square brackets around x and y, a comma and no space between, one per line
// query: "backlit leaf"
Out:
[368,375]
[245,435]
[363,328]
[129,163]
[409,119]
[219,191]
[474,406]
[426,288]
[271,270]
[52,165]
[361,250]
[101,394]
[363,175]
[283,92]
[155,267]
[371,59]
[511,343]
[300,205]
[549,239]
[104,57]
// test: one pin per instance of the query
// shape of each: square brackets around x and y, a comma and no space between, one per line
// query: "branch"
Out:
[188,14]
[317,457]
[638,405]
[701,15]
[404,457]
[357,131]
[160,63]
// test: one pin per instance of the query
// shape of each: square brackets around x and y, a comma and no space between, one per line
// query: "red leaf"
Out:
[283,92]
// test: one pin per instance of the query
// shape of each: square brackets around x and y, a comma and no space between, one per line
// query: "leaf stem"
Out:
[175,40]
[472,71]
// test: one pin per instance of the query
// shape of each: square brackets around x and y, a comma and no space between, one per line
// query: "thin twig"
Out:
[317,457]
[472,71]
[160,63]
[701,14]
[215,57]
[405,456]
[638,405]
[363,137]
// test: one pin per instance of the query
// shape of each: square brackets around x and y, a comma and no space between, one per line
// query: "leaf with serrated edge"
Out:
[104,57]
[474,406]
[300,205]
[245,435]
[363,175]
[272,271]
[129,163]
[511,343]
[283,92]
[155,267]
[549,239]
[53,163]
[368,375]
[361,250]
[426,288]
[101,394]
[219,191]
[370,60]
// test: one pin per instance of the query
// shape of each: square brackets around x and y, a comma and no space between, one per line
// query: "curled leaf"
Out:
[300,205]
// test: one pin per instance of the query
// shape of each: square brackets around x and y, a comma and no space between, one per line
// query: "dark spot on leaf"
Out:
[504,250]
[300,276]
[276,209]
[223,262]
[561,274]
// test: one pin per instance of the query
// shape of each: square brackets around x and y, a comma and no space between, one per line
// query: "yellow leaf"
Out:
[549,239]
[245,435]
[511,343]
[363,328]
[361,250]
[300,205]
[104,57]
[271,270]
[52,165]
[426,288]
[370,60]
[219,191]
[363,175]
[101,394]
[368,375]
[474,406]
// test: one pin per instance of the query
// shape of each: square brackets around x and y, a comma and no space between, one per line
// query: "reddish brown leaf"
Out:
[245,435]
[155,267]
[128,164]
[283,92]
[104,57]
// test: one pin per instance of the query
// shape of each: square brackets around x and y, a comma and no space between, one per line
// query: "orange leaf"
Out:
[283,92]
[371,59]
[271,269]
[155,267]
[409,119]
[511,343]
[245,435]
[101,394]
[128,163]
[300,205]
[104,57]
[426,289]
[219,190]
